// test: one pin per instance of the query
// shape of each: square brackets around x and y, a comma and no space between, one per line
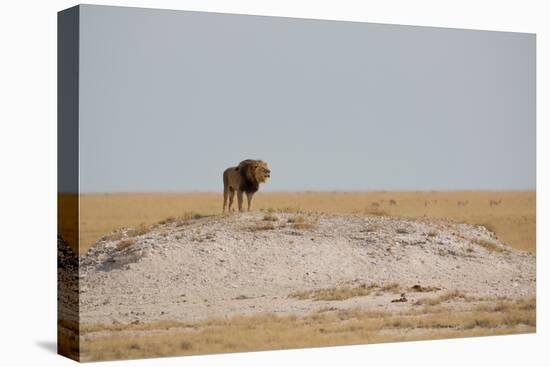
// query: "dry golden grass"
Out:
[300,222]
[304,226]
[138,231]
[344,292]
[125,243]
[376,211]
[258,227]
[448,296]
[513,220]
[269,217]
[489,245]
[296,219]
[327,327]
[432,233]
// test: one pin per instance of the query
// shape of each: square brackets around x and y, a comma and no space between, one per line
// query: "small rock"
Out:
[401,299]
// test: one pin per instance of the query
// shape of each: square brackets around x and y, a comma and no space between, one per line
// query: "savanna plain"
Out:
[511,214]
[372,267]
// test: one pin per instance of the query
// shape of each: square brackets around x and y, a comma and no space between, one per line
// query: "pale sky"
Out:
[169,99]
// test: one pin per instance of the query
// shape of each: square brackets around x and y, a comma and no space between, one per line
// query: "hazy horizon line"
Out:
[300,191]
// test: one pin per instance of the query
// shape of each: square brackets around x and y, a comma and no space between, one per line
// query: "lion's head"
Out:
[255,170]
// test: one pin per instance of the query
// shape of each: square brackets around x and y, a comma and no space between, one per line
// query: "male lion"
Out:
[246,177]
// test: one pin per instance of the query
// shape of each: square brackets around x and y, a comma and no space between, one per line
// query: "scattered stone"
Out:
[419,288]
[400,299]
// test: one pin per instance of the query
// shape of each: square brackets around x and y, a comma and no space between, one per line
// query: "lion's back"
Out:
[232,177]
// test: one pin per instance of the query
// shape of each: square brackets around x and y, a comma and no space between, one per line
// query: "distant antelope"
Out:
[494,202]
[462,203]
[393,202]
[375,205]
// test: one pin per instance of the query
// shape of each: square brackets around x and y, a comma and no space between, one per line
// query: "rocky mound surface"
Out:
[246,263]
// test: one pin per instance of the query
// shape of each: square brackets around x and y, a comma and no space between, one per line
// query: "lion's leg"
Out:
[231,197]
[249,199]
[225,195]
[240,200]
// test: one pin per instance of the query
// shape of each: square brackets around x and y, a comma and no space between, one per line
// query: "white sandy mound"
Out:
[242,264]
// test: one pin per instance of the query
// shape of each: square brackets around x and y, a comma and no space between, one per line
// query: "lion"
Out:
[246,177]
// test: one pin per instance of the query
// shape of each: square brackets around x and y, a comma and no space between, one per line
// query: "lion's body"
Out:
[244,178]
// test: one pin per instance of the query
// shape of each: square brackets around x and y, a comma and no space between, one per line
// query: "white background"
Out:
[28,181]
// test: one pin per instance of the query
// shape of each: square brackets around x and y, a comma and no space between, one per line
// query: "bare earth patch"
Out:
[219,282]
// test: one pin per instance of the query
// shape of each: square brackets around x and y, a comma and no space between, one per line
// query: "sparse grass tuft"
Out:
[181,220]
[526,304]
[342,293]
[304,226]
[167,220]
[289,209]
[432,233]
[490,245]
[376,211]
[452,295]
[184,219]
[490,227]
[269,217]
[334,294]
[113,236]
[138,231]
[196,215]
[122,244]
[300,222]
[261,227]
[326,309]
[296,219]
